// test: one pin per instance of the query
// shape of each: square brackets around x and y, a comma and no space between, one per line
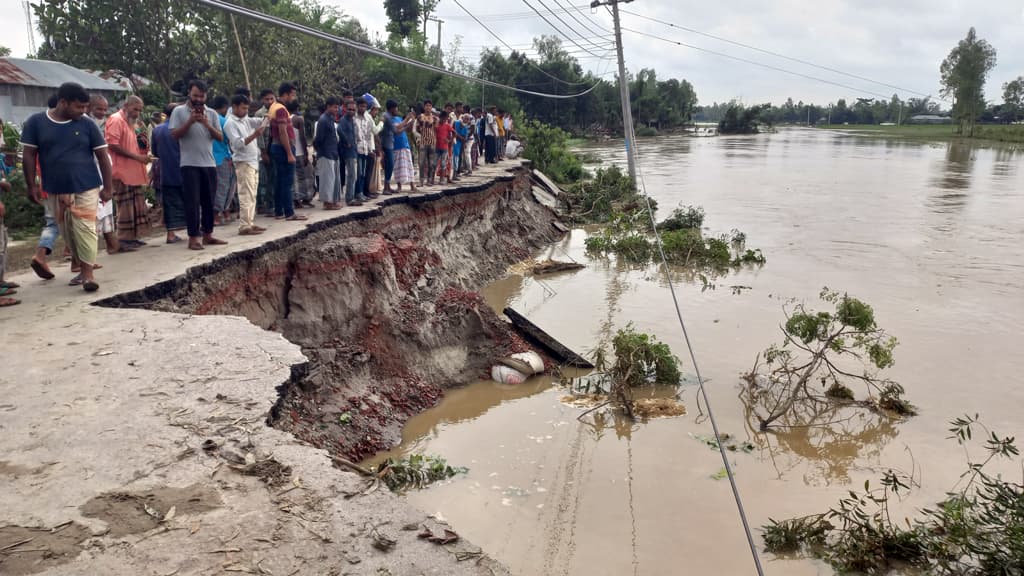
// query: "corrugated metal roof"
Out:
[26,72]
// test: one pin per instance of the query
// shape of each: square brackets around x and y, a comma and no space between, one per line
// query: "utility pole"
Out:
[440,62]
[627,112]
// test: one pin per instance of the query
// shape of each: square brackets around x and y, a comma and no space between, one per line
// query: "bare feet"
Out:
[209,240]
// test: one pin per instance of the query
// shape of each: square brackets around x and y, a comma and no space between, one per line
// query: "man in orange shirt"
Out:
[128,165]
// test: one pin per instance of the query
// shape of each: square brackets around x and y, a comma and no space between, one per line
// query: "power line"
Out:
[273,20]
[509,15]
[777,55]
[559,30]
[570,27]
[756,63]
[499,38]
[580,22]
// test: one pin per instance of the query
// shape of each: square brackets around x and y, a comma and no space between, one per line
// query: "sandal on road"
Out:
[8,302]
[295,217]
[41,270]
[5,291]
[90,286]
[76,281]
[9,285]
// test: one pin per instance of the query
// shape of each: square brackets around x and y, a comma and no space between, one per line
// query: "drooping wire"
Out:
[756,63]
[776,54]
[568,25]
[602,33]
[696,368]
[500,39]
[273,20]
[564,35]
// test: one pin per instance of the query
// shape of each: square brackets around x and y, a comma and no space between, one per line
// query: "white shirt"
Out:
[236,130]
[491,127]
[364,133]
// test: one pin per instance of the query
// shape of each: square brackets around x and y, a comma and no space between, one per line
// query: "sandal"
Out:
[8,302]
[41,270]
[91,286]
[76,281]
[9,285]
[295,217]
[5,291]
[174,240]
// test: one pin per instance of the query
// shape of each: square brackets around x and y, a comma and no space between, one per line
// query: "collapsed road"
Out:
[135,429]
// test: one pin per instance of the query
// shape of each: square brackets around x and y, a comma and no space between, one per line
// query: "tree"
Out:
[403,16]
[4,51]
[1013,99]
[964,73]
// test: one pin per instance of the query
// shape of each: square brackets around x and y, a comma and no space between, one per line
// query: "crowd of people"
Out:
[214,161]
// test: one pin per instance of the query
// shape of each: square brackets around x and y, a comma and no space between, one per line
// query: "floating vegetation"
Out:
[811,369]
[658,408]
[975,531]
[415,471]
[728,440]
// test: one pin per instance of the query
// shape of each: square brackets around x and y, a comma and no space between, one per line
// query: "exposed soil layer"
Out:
[32,550]
[383,305]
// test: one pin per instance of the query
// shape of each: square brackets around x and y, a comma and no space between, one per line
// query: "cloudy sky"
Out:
[897,43]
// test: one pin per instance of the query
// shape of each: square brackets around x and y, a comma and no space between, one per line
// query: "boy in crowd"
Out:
[242,134]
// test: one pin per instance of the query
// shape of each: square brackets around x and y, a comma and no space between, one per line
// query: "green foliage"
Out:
[415,471]
[604,197]
[641,359]
[977,530]
[547,147]
[741,119]
[646,131]
[964,73]
[627,235]
[23,218]
[12,140]
[683,218]
[815,342]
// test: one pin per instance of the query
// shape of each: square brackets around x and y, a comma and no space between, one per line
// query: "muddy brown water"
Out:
[928,234]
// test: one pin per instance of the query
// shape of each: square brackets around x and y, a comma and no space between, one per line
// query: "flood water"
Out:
[928,234]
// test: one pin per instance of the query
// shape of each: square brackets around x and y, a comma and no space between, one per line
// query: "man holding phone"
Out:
[195,127]
[241,133]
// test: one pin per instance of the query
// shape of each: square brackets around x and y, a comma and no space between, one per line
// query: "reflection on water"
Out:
[928,234]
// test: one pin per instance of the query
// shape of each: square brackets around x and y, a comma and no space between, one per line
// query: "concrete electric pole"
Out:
[440,61]
[627,112]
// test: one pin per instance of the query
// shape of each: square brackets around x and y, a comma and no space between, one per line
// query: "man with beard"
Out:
[195,127]
[128,164]
[98,112]
[68,148]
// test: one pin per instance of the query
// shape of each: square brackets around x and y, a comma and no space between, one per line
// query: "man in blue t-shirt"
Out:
[69,147]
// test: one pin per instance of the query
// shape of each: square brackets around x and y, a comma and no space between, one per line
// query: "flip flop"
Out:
[41,271]
[5,291]
[175,240]
[295,217]
[8,302]
[90,286]
[76,281]
[9,285]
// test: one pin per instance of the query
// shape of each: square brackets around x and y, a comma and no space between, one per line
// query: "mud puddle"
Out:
[134,512]
[33,550]
[927,234]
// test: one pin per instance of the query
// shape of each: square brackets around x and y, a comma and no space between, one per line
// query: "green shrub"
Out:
[23,219]
[646,131]
[548,148]
[609,193]
[683,218]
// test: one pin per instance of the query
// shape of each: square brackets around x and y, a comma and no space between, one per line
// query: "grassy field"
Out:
[987,132]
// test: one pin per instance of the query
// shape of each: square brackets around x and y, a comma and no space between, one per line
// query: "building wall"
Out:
[18,102]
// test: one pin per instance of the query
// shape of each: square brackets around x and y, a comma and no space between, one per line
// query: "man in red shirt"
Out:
[128,164]
[282,154]
[443,137]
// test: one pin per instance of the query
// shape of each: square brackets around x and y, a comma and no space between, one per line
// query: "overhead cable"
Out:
[777,55]
[756,63]
[500,39]
[559,30]
[273,20]
[572,15]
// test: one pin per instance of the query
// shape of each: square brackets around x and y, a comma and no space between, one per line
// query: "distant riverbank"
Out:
[939,132]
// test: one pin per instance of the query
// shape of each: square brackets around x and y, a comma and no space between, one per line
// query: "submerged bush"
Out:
[642,359]
[548,148]
[600,199]
[683,218]
[977,530]
[415,471]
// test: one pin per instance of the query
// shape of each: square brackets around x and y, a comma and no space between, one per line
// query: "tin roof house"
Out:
[26,85]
